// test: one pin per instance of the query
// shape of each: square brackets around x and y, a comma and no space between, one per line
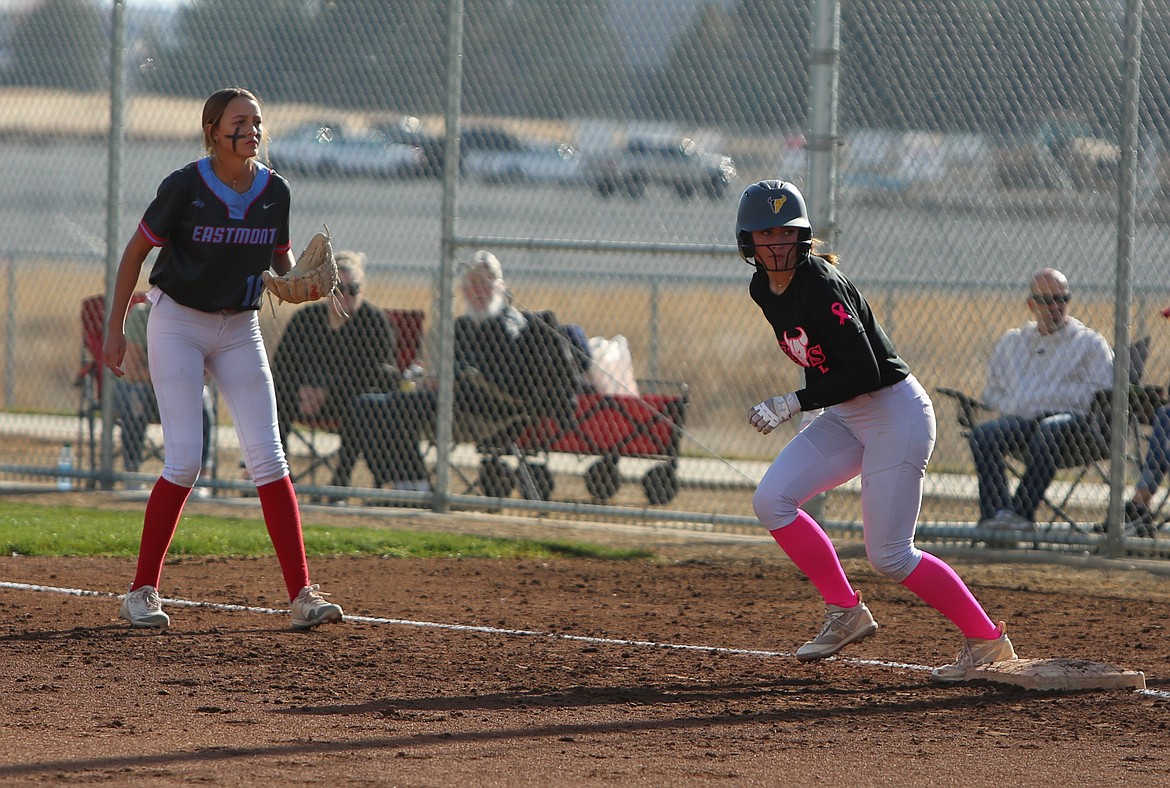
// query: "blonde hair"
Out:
[213,110]
[354,263]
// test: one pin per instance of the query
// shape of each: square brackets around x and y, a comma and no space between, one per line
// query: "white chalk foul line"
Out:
[402,622]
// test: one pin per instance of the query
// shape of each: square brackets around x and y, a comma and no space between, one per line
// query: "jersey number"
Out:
[252,291]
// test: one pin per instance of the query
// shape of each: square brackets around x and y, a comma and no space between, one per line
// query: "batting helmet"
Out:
[772,204]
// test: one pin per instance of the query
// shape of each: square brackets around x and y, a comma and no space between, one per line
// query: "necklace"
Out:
[241,179]
[778,289]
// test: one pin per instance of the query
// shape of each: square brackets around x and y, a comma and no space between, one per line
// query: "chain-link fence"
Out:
[951,150]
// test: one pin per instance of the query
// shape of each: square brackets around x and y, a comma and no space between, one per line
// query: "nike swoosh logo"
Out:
[268,205]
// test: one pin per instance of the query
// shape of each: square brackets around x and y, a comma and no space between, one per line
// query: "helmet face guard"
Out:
[788,254]
[769,204]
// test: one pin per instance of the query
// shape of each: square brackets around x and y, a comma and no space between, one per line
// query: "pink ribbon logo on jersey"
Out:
[839,310]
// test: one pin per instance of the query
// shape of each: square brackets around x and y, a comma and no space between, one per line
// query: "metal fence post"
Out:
[1126,206]
[446,295]
[655,294]
[9,331]
[113,216]
[822,141]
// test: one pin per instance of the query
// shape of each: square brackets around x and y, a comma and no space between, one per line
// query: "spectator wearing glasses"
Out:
[1041,379]
[332,352]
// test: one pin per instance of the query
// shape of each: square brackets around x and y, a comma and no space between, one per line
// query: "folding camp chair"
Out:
[89,379]
[1089,462]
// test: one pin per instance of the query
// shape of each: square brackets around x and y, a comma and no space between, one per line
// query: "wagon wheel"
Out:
[602,479]
[496,478]
[542,480]
[660,484]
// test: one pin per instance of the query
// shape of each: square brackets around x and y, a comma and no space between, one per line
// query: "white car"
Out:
[679,164]
[532,164]
[331,150]
[495,156]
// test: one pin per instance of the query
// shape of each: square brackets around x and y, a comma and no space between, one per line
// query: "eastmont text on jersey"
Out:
[233,235]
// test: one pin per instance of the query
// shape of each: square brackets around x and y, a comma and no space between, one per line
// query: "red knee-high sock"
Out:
[937,585]
[282,516]
[810,549]
[158,528]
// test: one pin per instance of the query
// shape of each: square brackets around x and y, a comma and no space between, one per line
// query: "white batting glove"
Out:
[773,412]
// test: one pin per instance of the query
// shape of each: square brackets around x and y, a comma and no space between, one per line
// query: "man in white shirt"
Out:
[1041,378]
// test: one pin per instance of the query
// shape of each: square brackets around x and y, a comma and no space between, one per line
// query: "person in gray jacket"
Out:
[1041,378]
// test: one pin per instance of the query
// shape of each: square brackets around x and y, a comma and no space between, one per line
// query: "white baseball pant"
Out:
[182,343]
[887,436]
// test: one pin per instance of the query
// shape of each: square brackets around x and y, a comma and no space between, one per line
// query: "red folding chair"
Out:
[89,375]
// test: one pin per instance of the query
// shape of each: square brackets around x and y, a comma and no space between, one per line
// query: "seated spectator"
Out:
[332,352]
[510,366]
[1041,378]
[1139,521]
[136,405]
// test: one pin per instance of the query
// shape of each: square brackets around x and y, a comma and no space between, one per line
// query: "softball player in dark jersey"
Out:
[219,222]
[877,421]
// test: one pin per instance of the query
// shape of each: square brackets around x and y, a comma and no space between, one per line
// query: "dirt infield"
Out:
[236,698]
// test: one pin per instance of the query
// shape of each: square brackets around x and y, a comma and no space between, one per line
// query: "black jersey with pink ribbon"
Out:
[215,242]
[826,326]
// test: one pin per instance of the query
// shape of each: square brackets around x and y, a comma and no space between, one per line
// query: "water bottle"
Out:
[410,378]
[65,465]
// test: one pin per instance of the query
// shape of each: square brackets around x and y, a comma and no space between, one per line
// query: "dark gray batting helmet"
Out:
[772,204]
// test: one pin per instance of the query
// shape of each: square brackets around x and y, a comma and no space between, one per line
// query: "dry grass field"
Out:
[36,112]
[711,338]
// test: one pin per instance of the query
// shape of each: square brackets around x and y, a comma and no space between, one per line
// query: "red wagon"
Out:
[647,426]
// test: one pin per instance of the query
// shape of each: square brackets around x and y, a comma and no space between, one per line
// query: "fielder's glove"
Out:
[314,276]
[773,412]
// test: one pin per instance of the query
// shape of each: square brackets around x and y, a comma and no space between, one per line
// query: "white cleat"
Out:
[310,609]
[843,625]
[976,653]
[142,607]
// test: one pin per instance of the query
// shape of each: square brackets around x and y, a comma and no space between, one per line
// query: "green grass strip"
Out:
[36,530]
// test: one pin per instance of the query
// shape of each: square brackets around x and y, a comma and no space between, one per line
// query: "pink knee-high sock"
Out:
[810,549]
[282,517]
[937,585]
[158,528]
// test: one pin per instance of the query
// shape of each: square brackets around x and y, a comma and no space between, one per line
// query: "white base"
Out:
[1059,674]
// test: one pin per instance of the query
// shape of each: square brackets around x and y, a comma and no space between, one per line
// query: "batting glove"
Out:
[773,412]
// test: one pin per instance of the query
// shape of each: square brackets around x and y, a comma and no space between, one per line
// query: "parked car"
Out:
[332,150]
[497,156]
[679,164]
[409,130]
[882,162]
